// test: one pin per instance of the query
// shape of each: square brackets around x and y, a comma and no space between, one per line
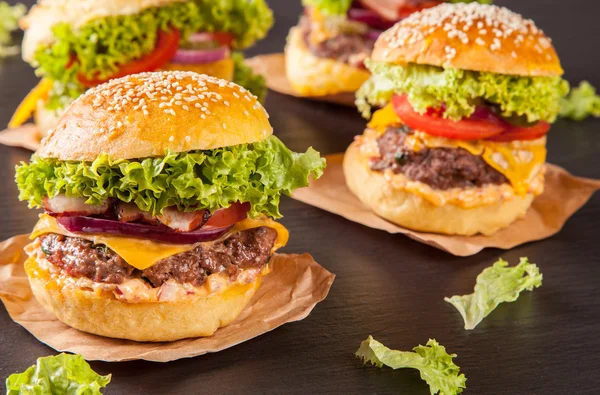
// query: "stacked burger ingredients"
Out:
[325,53]
[78,44]
[468,94]
[159,191]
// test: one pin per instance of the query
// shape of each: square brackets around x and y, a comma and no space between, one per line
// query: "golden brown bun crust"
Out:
[310,75]
[145,115]
[95,313]
[414,212]
[45,14]
[471,36]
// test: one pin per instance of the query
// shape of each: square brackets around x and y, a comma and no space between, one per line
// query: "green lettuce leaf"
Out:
[258,173]
[537,98]
[435,365]
[65,374]
[9,16]
[244,76]
[329,7]
[103,44]
[495,285]
[582,102]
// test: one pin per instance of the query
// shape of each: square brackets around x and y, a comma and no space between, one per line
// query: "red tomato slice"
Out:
[394,10]
[223,38]
[228,216]
[482,124]
[166,46]
[534,132]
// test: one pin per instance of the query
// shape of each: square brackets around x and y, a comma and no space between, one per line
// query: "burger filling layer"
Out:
[82,258]
[348,47]
[440,168]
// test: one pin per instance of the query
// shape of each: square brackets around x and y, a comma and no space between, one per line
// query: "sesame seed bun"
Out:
[145,115]
[471,36]
[45,14]
[102,314]
[410,210]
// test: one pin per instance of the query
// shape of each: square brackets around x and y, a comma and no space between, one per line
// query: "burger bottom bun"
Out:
[102,315]
[310,75]
[414,212]
[45,119]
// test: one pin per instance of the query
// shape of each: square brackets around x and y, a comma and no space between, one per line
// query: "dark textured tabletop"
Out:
[387,285]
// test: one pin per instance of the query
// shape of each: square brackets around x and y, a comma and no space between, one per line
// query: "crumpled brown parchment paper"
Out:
[287,294]
[25,136]
[564,194]
[272,67]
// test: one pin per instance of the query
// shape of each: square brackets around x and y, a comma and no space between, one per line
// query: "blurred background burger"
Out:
[159,192]
[78,44]
[325,53]
[468,94]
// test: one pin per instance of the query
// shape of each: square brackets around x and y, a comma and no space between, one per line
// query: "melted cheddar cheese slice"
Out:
[143,254]
[29,104]
[518,161]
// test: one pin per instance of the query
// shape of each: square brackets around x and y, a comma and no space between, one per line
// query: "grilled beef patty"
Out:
[440,168]
[82,258]
[352,49]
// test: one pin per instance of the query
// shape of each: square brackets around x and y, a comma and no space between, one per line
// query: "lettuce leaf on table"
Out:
[258,173]
[537,98]
[60,374]
[495,285]
[435,365]
[582,102]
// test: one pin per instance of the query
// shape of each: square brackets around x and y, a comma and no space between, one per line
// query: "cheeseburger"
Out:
[77,44]
[159,191]
[468,93]
[325,53]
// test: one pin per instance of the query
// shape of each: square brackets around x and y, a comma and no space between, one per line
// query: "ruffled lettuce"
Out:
[435,365]
[329,7]
[9,17]
[60,374]
[581,103]
[495,285]
[258,173]
[244,76]
[536,98]
[103,44]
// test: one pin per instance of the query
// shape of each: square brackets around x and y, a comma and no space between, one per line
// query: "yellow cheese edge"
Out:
[223,69]
[27,107]
[143,254]
[518,161]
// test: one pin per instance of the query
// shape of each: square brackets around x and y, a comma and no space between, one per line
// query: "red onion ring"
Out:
[370,18]
[195,56]
[157,233]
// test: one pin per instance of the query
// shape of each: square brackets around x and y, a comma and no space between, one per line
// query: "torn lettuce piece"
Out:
[58,374]
[435,365]
[537,98]
[582,102]
[495,285]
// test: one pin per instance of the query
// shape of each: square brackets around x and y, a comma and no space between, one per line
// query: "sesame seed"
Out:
[171,138]
[224,125]
[226,103]
[188,139]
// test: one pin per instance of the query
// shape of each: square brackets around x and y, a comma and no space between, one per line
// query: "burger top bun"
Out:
[148,114]
[45,14]
[470,36]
